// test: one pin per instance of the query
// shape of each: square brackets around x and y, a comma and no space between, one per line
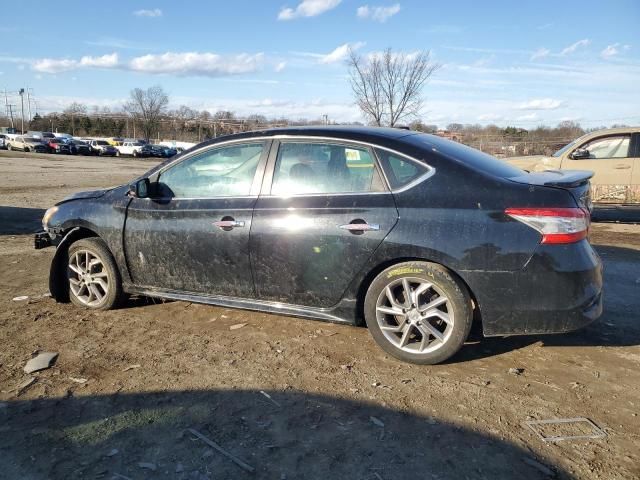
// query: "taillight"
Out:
[557,225]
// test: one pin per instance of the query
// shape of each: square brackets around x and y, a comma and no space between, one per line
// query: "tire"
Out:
[9,147]
[117,153]
[135,154]
[26,150]
[444,312]
[94,295]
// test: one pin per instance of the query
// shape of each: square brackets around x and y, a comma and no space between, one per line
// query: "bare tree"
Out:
[366,85]
[388,86]
[148,106]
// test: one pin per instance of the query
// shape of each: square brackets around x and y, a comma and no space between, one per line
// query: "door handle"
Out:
[622,166]
[360,227]
[228,224]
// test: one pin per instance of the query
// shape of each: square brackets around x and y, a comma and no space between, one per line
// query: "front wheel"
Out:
[94,279]
[418,312]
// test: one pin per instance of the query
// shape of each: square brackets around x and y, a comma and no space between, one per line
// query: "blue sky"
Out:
[522,63]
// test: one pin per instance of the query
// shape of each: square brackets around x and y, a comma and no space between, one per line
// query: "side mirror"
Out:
[140,189]
[580,153]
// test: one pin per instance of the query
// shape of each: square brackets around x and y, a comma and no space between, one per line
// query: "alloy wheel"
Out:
[88,278]
[414,315]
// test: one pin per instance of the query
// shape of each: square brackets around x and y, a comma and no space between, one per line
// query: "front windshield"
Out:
[102,142]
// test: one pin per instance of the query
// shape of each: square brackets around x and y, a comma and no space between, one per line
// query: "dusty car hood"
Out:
[85,195]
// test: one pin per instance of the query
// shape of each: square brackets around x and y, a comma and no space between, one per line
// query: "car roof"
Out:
[355,132]
[610,131]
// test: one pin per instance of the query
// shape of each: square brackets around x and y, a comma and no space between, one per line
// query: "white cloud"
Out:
[542,104]
[339,54]
[573,47]
[280,66]
[308,8]
[378,14]
[57,65]
[195,63]
[52,65]
[540,53]
[105,61]
[156,12]
[613,50]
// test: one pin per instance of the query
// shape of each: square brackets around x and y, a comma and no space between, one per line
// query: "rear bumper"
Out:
[558,290]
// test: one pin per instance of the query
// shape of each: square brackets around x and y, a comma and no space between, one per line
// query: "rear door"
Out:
[193,235]
[611,159]
[323,211]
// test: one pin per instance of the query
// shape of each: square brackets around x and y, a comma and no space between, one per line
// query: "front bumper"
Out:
[558,290]
[42,240]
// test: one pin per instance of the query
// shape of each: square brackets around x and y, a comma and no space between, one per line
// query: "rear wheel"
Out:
[9,147]
[418,312]
[94,280]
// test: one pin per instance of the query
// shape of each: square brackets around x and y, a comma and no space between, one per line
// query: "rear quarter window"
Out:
[400,170]
[476,159]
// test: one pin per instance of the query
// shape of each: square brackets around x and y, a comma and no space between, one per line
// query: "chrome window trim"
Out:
[428,174]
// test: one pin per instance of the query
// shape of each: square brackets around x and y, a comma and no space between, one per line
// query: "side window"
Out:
[400,171]
[307,168]
[609,147]
[220,172]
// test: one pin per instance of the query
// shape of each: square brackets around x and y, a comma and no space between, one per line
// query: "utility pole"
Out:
[11,114]
[29,105]
[21,92]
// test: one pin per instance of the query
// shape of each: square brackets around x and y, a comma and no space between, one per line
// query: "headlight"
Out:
[47,216]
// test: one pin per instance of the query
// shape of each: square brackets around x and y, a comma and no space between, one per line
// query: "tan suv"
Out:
[613,155]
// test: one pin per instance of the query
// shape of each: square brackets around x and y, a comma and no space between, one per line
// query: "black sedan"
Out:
[161,151]
[78,147]
[413,234]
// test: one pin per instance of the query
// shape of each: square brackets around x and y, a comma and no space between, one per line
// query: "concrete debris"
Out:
[539,466]
[516,371]
[78,380]
[266,395]
[24,385]
[41,362]
[21,298]
[214,445]
[377,422]
[131,367]
[237,326]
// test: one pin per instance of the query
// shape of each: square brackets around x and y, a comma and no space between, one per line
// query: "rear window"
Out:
[470,156]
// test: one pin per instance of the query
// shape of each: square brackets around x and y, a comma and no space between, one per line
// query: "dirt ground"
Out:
[291,398]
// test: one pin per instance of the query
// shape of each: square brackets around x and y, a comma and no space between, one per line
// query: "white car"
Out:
[129,148]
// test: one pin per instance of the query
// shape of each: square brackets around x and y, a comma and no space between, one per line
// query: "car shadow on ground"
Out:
[20,220]
[280,434]
[617,327]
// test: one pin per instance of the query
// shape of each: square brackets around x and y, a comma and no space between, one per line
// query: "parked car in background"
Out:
[400,229]
[4,140]
[612,154]
[79,147]
[162,151]
[115,141]
[101,147]
[135,149]
[44,136]
[58,145]
[28,144]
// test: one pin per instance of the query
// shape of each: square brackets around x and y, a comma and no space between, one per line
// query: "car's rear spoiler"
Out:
[555,178]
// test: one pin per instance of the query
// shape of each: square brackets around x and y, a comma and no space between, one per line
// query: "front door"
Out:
[323,212]
[609,157]
[193,235]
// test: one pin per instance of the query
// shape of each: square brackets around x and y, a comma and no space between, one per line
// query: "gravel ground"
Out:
[291,398]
